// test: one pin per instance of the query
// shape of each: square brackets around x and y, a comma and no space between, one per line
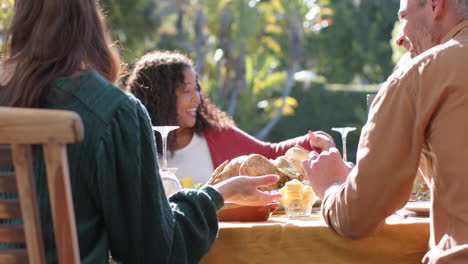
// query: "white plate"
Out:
[420,207]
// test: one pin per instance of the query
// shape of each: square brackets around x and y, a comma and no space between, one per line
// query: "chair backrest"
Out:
[19,129]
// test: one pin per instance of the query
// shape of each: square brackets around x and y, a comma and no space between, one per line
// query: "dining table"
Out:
[403,239]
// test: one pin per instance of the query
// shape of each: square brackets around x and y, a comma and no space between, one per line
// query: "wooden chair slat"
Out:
[11,233]
[63,213]
[14,256]
[8,182]
[22,160]
[9,209]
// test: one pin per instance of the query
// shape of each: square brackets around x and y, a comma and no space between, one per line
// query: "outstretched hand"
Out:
[243,190]
[321,140]
[325,170]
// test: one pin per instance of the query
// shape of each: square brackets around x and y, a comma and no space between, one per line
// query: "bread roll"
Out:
[227,170]
[288,167]
[296,153]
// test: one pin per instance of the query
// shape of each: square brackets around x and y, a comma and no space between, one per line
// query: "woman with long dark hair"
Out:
[168,86]
[59,56]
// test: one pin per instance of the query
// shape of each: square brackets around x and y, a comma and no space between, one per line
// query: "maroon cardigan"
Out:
[232,142]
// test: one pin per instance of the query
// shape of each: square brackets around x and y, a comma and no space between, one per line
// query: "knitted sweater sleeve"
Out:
[142,225]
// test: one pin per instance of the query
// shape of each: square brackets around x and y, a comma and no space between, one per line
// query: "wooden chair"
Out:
[19,128]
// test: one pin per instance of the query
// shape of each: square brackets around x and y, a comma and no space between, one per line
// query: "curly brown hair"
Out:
[154,81]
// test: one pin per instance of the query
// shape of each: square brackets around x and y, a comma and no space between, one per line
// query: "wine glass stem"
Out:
[164,150]
[343,139]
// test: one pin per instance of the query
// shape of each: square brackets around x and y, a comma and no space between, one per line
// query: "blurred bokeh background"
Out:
[279,67]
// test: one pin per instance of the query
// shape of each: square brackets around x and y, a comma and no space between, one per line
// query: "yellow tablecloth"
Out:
[309,240]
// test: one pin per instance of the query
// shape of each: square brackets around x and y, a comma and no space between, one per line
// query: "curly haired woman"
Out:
[168,86]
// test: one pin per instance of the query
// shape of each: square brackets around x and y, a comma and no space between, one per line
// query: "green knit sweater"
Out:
[118,196]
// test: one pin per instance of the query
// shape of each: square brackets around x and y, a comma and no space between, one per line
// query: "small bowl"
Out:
[240,213]
[296,208]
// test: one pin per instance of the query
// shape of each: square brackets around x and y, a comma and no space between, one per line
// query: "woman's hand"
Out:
[243,190]
[321,140]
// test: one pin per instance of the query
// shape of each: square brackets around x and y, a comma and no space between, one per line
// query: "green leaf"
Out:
[275,79]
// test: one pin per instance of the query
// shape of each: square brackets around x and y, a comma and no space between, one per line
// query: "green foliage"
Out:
[247,26]
[6,13]
[262,29]
[270,81]
[356,44]
[132,23]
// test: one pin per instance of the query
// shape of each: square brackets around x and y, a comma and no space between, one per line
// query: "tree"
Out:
[294,23]
[247,52]
[6,13]
[253,39]
[133,24]
[356,42]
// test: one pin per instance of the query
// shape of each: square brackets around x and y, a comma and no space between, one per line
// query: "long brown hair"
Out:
[154,80]
[54,38]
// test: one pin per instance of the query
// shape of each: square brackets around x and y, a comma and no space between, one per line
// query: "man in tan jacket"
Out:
[417,120]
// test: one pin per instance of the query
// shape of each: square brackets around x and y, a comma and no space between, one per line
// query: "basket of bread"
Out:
[288,168]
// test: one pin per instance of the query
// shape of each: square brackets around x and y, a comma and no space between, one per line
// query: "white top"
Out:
[193,161]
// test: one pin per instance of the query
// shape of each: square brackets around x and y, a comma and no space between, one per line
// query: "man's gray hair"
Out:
[461,7]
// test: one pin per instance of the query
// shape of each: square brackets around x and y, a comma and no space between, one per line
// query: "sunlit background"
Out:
[279,67]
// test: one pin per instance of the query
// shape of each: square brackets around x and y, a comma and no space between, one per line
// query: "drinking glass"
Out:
[344,133]
[169,179]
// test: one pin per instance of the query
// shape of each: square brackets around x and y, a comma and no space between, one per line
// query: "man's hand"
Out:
[321,140]
[325,170]
[243,190]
